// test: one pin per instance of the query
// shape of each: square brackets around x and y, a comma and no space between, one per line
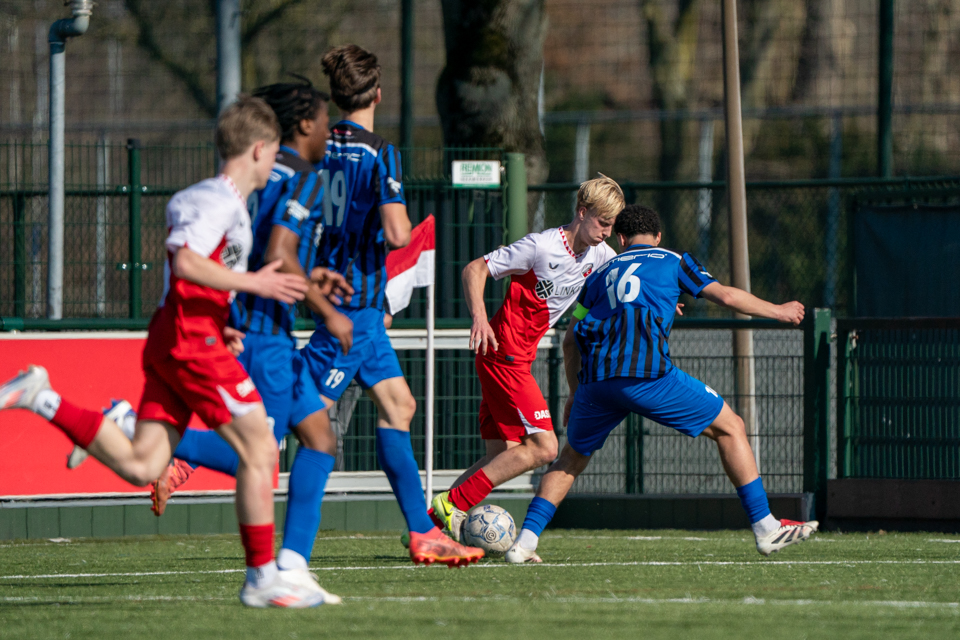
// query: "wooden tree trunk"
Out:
[487,92]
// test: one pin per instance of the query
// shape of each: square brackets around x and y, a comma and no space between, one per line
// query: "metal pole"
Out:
[56,169]
[228,52]
[516,196]
[136,191]
[103,168]
[581,158]
[59,32]
[885,92]
[406,74]
[737,203]
[431,382]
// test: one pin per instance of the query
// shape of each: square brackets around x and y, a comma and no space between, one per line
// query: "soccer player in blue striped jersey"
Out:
[288,226]
[365,214]
[617,360]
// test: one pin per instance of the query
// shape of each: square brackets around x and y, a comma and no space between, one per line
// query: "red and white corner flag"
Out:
[412,266]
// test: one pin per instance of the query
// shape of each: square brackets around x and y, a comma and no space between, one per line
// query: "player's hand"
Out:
[567,408]
[679,308]
[341,328]
[791,312]
[233,338]
[332,285]
[481,336]
[285,287]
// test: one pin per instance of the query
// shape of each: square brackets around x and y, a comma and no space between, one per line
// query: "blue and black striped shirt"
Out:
[626,310]
[361,172]
[292,199]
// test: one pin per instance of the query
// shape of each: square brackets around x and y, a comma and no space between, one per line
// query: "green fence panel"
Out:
[898,410]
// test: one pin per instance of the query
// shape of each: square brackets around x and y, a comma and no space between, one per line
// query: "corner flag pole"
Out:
[431,368]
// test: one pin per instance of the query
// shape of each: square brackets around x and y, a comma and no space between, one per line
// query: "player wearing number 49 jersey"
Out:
[619,335]
[547,271]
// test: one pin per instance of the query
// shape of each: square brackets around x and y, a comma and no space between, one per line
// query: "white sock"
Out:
[528,540]
[765,526]
[46,403]
[128,424]
[262,575]
[288,559]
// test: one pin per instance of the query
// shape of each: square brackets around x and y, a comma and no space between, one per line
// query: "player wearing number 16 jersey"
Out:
[548,270]
[618,362]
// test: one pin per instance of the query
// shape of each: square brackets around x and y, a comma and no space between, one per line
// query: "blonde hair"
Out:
[246,121]
[601,195]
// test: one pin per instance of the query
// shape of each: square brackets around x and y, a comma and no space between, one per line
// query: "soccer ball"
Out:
[491,528]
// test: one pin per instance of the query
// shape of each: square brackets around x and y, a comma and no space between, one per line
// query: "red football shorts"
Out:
[512,405]
[217,389]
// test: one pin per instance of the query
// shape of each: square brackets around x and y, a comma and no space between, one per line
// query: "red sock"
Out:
[472,492]
[80,425]
[257,541]
[437,521]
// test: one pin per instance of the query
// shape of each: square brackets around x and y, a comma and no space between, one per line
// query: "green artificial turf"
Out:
[642,584]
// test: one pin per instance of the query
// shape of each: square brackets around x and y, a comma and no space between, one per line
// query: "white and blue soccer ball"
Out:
[491,528]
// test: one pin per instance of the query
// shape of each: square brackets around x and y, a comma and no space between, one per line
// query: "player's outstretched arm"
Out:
[744,302]
[268,282]
[571,366]
[474,279]
[396,224]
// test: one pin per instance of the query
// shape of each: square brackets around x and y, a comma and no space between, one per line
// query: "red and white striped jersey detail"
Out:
[547,277]
[209,218]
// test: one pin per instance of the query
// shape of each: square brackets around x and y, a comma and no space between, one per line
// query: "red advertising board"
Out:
[89,369]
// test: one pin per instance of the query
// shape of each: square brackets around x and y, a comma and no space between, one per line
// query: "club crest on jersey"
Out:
[544,289]
[231,255]
[587,269]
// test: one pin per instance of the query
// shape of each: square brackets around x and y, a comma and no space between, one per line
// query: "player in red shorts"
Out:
[547,271]
[186,362]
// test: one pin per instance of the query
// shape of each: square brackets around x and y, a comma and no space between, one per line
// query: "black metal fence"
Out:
[640,456]
[898,409]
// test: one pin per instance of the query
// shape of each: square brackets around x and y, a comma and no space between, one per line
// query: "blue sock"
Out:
[308,477]
[396,458]
[539,514]
[754,500]
[207,449]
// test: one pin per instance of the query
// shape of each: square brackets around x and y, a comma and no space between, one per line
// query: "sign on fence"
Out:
[476,174]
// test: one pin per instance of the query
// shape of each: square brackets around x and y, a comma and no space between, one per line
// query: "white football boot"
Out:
[789,532]
[20,391]
[282,593]
[121,413]
[307,580]
[518,555]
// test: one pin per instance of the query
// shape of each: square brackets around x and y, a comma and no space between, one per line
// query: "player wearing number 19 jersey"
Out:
[620,357]
[547,272]
[365,213]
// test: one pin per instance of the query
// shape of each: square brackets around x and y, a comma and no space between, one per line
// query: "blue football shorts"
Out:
[371,358]
[676,400]
[284,382]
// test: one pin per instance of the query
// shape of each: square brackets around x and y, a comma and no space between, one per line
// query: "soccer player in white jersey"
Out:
[186,362]
[547,271]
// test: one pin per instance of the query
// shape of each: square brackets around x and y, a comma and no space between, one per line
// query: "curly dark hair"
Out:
[293,102]
[637,219]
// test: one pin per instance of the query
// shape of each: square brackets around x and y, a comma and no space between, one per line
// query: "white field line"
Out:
[500,565]
[749,601]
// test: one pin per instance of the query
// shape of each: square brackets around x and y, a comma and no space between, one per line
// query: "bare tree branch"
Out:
[190,78]
[265,19]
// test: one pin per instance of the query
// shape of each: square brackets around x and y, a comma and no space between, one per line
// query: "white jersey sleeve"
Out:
[198,221]
[513,259]
[606,254]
